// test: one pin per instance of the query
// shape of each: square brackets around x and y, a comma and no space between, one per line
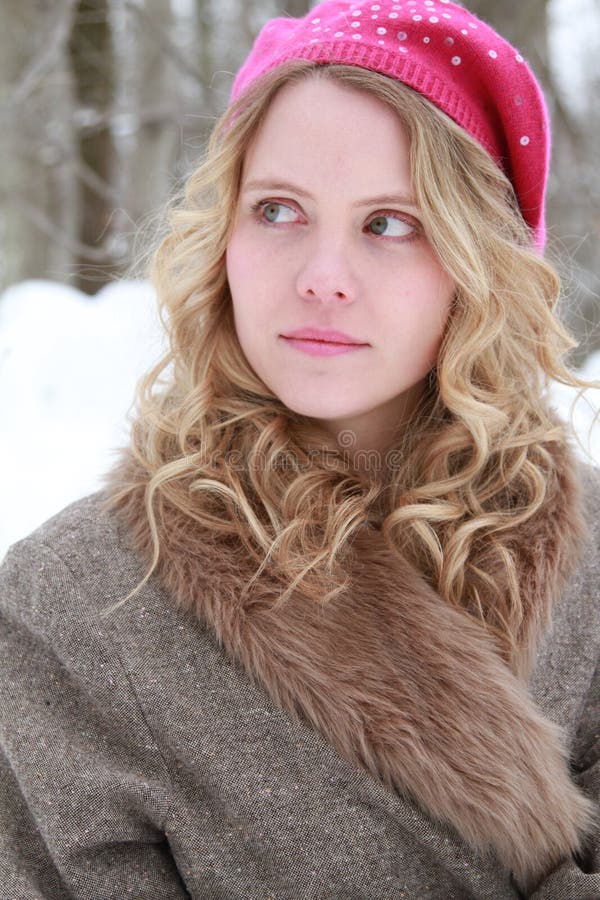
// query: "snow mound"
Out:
[68,369]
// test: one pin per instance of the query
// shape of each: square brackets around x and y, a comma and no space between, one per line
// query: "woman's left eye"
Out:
[390,226]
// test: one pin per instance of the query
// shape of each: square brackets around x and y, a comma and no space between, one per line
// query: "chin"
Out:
[319,410]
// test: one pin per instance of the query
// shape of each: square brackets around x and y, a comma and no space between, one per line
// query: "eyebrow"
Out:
[378,200]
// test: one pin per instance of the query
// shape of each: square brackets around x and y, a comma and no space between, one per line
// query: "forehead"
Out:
[332,136]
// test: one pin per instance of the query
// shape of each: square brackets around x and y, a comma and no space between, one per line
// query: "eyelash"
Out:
[258,207]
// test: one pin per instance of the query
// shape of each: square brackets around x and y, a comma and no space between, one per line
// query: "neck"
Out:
[371,441]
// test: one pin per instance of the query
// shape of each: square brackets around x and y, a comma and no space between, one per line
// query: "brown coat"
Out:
[196,744]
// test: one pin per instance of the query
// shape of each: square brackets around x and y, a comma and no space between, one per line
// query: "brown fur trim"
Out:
[395,679]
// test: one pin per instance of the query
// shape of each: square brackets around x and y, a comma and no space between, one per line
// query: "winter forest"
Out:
[105,105]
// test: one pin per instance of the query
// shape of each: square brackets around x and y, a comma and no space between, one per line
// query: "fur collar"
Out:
[397,681]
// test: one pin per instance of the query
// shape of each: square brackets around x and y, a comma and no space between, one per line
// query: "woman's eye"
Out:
[390,226]
[275,213]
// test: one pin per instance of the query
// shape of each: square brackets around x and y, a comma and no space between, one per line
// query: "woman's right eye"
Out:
[275,213]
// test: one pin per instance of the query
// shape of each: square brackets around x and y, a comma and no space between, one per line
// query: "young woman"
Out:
[332,630]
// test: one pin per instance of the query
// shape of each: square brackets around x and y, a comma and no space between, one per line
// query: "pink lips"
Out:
[322,342]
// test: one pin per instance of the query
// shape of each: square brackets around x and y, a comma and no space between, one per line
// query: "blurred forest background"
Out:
[105,105]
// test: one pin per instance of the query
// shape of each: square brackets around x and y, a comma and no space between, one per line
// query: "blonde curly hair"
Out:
[476,463]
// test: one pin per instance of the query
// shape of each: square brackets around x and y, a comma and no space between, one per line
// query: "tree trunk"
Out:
[37,214]
[296,8]
[90,49]
[152,93]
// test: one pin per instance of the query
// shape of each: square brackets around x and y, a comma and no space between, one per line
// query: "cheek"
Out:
[237,278]
[237,266]
[447,292]
[420,316]
[260,285]
[439,315]
[251,269]
[248,279]
[424,299]
[241,277]
[440,291]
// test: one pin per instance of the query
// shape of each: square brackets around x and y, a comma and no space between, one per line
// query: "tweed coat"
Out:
[160,753]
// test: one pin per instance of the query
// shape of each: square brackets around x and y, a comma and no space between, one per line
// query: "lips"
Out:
[327,336]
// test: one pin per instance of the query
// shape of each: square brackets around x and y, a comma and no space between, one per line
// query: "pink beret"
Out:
[442,51]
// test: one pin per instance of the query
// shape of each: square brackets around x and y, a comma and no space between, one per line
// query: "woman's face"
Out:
[327,246]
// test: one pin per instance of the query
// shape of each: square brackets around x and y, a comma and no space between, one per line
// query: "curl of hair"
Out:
[218,445]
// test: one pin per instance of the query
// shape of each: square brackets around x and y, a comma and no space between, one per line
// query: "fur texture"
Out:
[396,680]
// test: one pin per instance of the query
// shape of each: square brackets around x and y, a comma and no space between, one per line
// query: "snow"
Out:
[68,369]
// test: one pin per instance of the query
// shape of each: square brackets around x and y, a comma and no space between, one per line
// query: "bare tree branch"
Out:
[297,8]
[44,60]
[48,227]
[164,43]
[93,181]
[166,114]
[84,172]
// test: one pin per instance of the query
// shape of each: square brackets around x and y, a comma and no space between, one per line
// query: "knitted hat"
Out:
[442,51]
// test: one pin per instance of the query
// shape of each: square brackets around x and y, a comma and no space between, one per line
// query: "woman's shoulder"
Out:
[568,657]
[80,533]
[589,568]
[581,588]
[71,569]
[590,481]
[76,586]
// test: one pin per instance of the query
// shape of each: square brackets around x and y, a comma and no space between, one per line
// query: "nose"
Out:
[327,276]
